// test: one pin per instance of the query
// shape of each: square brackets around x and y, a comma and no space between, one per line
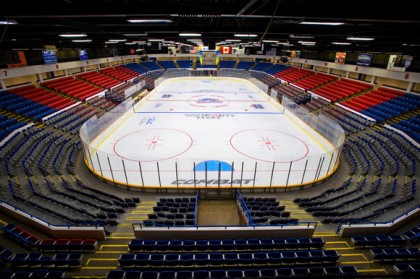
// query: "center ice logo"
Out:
[209,101]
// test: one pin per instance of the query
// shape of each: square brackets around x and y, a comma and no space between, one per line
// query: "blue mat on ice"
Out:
[213,165]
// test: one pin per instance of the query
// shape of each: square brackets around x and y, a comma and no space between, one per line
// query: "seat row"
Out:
[169,223]
[251,244]
[196,260]
[178,200]
[38,260]
[67,245]
[407,268]
[395,254]
[39,273]
[381,240]
[330,271]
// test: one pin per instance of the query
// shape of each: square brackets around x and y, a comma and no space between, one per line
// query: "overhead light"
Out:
[300,37]
[14,40]
[17,49]
[155,40]
[81,41]
[270,41]
[341,43]
[246,35]
[111,42]
[404,44]
[135,35]
[306,42]
[190,34]
[359,39]
[233,40]
[149,20]
[72,35]
[130,43]
[322,23]
[8,21]
[118,40]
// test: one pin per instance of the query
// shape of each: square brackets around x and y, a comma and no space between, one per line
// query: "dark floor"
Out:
[218,213]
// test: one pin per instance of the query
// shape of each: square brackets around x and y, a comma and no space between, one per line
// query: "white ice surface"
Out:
[186,121]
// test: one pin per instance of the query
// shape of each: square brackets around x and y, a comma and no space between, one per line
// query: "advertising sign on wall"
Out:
[340,57]
[363,59]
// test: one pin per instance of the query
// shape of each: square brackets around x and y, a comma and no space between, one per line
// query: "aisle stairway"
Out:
[98,264]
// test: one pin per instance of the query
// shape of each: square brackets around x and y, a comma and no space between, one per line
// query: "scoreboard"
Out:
[208,58]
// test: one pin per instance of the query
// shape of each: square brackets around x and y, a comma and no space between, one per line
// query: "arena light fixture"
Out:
[81,35]
[322,23]
[233,40]
[130,43]
[359,39]
[8,21]
[117,40]
[300,37]
[81,41]
[246,35]
[136,35]
[190,34]
[270,41]
[155,40]
[111,42]
[341,43]
[154,20]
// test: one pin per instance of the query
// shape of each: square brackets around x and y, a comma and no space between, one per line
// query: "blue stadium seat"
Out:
[201,274]
[149,274]
[132,274]
[115,274]
[217,273]
[251,273]
[234,273]
[184,274]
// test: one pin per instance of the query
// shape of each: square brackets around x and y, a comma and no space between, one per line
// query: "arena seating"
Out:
[268,272]
[167,64]
[120,73]
[313,81]
[99,79]
[260,66]
[245,65]
[179,211]
[184,63]
[341,89]
[72,87]
[41,168]
[294,75]
[227,64]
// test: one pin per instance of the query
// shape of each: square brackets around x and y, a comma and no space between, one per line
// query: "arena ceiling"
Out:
[394,28]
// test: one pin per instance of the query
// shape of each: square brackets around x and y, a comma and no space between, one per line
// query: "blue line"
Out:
[212,112]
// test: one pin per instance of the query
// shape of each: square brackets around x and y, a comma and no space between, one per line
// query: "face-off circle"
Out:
[153,145]
[208,101]
[269,145]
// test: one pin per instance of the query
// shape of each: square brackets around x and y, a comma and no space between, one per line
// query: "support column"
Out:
[373,80]
[3,84]
[39,76]
[410,87]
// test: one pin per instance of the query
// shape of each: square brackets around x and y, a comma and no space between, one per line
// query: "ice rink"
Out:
[210,132]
